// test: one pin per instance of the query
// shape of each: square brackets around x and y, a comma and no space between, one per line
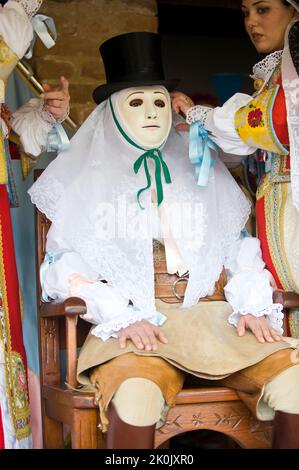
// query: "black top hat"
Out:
[132,59]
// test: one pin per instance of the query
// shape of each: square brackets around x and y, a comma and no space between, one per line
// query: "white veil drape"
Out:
[290,82]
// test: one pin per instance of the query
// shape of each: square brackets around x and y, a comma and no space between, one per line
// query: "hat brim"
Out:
[103,92]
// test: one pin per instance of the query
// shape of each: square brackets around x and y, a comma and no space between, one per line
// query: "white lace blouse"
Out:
[220,122]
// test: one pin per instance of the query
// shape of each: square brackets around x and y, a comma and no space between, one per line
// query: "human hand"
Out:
[259,327]
[180,102]
[57,100]
[143,335]
[182,127]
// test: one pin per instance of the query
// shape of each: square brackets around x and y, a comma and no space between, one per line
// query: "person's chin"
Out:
[264,49]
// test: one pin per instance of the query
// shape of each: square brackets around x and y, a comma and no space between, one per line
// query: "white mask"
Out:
[145,112]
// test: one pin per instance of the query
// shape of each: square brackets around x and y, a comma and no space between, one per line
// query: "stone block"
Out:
[93,69]
[53,68]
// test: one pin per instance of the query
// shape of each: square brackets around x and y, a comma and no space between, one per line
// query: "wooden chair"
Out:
[200,407]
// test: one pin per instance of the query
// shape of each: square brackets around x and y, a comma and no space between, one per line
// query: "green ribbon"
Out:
[156,155]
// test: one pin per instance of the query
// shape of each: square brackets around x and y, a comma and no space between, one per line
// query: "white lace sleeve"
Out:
[32,127]
[66,274]
[198,113]
[49,118]
[15,28]
[248,289]
[108,329]
[29,6]
[220,122]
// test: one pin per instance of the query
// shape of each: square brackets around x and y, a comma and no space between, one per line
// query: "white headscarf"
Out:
[290,83]
[294,3]
[96,174]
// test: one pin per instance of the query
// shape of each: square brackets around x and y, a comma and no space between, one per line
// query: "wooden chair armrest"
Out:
[71,306]
[50,314]
[287,299]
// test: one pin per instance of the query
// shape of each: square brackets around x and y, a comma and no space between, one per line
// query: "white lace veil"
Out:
[290,81]
[94,178]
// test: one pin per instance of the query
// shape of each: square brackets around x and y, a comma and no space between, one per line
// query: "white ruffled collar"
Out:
[265,68]
[30,6]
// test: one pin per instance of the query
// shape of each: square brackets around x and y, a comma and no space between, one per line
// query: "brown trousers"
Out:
[248,382]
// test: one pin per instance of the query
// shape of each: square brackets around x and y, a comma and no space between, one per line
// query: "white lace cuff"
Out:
[29,6]
[63,118]
[49,118]
[29,124]
[273,313]
[198,113]
[45,115]
[109,329]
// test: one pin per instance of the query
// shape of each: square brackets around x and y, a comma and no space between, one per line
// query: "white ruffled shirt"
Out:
[30,121]
[219,122]
[248,289]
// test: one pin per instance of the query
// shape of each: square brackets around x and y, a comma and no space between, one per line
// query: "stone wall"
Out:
[82,25]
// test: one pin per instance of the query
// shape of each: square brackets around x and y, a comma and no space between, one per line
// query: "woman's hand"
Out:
[259,327]
[180,102]
[182,127]
[57,100]
[143,334]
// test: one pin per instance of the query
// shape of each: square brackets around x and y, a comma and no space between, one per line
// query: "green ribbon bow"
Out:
[156,155]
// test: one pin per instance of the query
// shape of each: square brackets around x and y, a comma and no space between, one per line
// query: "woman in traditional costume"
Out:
[267,121]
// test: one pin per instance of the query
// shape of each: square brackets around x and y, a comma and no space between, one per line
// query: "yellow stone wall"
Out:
[83,25]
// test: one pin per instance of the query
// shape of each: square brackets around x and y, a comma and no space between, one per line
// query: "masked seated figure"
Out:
[125,181]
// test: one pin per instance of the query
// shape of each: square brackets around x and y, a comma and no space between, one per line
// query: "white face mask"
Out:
[146,113]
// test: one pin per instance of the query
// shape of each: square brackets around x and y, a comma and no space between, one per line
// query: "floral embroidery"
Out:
[20,380]
[255,118]
[14,366]
[254,125]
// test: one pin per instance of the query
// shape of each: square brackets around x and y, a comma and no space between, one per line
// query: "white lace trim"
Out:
[48,198]
[264,69]
[30,6]
[274,314]
[45,115]
[290,81]
[48,117]
[198,113]
[63,118]
[109,329]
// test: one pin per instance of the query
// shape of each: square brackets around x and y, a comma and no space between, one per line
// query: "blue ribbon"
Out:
[49,259]
[57,139]
[200,146]
[40,24]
